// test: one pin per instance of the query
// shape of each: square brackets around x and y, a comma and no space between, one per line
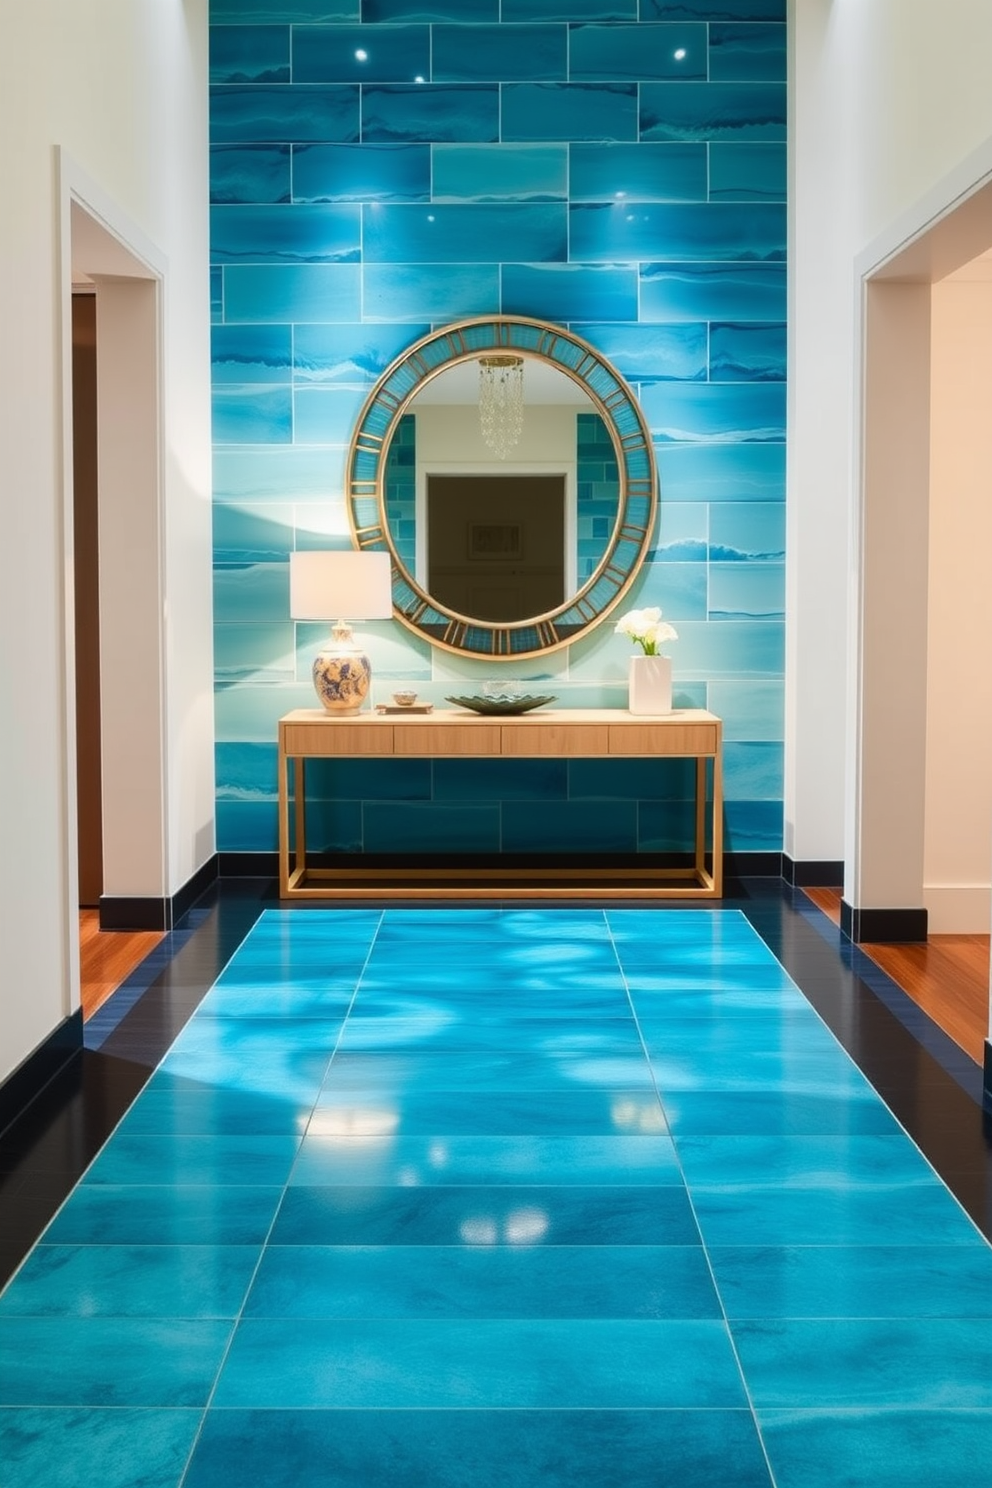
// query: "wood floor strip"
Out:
[107,958]
[948,977]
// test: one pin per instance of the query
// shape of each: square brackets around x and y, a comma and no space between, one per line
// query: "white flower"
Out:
[647,628]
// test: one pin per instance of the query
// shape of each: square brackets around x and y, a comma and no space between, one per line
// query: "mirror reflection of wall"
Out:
[556,495]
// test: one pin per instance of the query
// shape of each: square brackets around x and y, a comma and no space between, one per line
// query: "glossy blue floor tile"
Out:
[535,1364]
[641,1281]
[52,1448]
[469,1196]
[274,998]
[567,993]
[97,1215]
[835,1113]
[442,1112]
[529,1215]
[888,1214]
[878,1449]
[189,1281]
[486,1073]
[493,1161]
[856,1363]
[515,1449]
[855,1281]
[844,1162]
[218,1161]
[460,1027]
[109,1361]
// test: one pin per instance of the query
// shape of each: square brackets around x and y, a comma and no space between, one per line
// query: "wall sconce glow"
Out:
[501,402]
[362,55]
[680,55]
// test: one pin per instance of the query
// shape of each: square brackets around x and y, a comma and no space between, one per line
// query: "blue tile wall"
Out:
[379,167]
[747,172]
[250,173]
[401,490]
[361,173]
[491,173]
[249,54]
[430,111]
[360,54]
[640,173]
[597,492]
[498,54]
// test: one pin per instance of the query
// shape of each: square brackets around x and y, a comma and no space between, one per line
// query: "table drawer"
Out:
[664,738]
[555,741]
[460,739]
[337,738]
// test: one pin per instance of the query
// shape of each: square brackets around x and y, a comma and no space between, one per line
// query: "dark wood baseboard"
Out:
[877,926]
[137,912]
[30,1078]
[817,873]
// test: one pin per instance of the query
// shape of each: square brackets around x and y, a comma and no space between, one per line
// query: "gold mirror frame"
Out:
[468,340]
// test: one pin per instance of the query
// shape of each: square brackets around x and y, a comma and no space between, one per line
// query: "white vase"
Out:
[649,687]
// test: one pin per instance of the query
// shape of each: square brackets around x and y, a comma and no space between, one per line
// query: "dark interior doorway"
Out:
[496,544]
[87,599]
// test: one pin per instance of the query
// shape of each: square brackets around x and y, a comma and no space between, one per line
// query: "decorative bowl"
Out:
[405,697]
[516,703]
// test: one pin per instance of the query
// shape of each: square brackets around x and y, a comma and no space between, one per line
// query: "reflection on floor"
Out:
[948,977]
[458,1196]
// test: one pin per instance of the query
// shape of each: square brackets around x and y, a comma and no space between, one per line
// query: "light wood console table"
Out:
[573,733]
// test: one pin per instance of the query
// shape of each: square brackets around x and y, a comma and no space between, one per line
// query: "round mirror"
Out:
[506,467]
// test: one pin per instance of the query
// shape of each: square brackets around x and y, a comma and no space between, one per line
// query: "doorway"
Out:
[86,576]
[116,829]
[922,843]
[496,544]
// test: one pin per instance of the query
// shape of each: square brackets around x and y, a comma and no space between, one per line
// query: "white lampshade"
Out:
[340,583]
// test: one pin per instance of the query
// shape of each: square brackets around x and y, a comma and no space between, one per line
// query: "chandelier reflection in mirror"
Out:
[501,402]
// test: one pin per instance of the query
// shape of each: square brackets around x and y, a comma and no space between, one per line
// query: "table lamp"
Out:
[324,585]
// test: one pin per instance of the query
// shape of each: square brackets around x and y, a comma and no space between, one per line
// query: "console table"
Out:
[573,733]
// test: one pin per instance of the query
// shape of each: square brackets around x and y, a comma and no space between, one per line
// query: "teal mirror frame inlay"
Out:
[366,484]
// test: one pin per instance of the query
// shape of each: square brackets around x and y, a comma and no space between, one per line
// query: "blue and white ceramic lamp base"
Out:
[341,678]
[649,684]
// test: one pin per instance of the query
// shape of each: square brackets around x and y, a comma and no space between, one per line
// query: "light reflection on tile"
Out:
[552,1152]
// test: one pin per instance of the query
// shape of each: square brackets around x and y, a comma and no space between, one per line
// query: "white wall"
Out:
[958,827]
[120,87]
[888,99]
